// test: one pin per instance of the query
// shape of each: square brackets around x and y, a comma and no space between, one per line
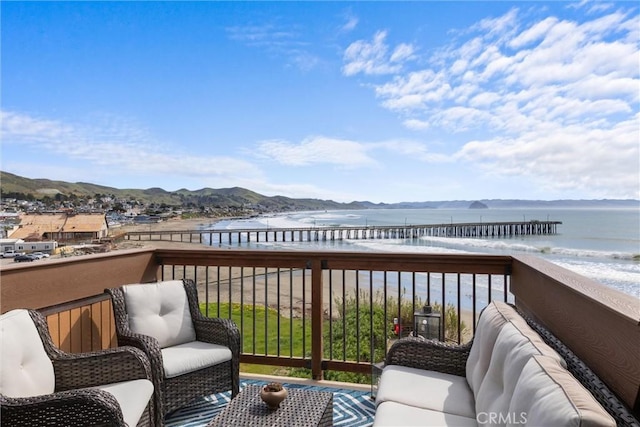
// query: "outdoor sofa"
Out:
[514,372]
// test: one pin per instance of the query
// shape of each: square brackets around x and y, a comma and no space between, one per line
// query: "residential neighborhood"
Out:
[28,226]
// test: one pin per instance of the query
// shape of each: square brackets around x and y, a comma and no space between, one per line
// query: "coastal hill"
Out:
[14,186]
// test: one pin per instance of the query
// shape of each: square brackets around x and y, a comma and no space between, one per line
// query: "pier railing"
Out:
[234,237]
[295,309]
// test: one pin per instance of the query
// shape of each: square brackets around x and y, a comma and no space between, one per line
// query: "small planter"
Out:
[273,394]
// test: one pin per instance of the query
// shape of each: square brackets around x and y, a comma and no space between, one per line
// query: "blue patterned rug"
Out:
[350,408]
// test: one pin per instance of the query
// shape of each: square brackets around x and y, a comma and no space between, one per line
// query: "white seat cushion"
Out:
[132,396]
[396,414]
[192,356]
[426,389]
[160,310]
[548,395]
[25,368]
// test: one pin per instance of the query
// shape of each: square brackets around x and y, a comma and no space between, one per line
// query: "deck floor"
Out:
[350,407]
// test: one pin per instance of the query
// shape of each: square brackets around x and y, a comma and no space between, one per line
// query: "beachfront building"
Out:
[61,226]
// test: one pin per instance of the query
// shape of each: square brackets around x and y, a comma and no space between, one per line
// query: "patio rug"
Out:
[350,408]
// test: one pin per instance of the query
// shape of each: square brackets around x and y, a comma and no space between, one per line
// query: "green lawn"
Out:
[263,331]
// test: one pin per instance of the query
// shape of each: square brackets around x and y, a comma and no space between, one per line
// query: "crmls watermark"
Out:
[511,418]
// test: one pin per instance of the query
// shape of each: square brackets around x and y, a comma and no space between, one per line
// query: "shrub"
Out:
[349,337]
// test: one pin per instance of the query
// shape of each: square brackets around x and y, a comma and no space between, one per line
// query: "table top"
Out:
[302,407]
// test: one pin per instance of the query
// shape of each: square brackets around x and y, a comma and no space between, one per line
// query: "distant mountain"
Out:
[12,185]
[508,203]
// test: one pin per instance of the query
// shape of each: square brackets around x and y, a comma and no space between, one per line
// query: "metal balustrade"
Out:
[309,302]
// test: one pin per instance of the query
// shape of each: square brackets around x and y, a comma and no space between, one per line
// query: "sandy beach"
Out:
[174,224]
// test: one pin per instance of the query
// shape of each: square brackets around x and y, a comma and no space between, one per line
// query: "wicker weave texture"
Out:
[301,408]
[173,393]
[72,402]
[416,352]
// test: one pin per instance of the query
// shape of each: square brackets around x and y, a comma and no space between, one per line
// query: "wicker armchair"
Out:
[191,355]
[42,385]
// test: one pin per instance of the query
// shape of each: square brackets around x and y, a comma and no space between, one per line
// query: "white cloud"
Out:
[602,162]
[374,58]
[277,40]
[414,150]
[263,35]
[416,124]
[317,150]
[298,190]
[557,99]
[498,26]
[402,53]
[560,56]
[414,91]
[117,144]
[350,25]
[591,6]
[533,34]
[15,125]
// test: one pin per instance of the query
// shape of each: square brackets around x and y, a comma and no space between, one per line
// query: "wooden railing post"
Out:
[316,319]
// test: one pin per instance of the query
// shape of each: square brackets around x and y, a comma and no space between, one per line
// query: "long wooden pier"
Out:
[311,234]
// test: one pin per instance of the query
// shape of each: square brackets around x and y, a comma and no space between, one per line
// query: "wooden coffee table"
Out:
[300,408]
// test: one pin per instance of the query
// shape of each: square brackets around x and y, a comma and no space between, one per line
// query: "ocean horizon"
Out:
[602,244]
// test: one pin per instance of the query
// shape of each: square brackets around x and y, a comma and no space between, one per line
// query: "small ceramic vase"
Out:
[273,398]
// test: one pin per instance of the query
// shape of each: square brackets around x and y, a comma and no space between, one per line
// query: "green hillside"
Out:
[16,186]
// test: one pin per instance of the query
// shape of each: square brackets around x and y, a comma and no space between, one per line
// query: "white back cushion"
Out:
[25,368]
[546,394]
[512,351]
[160,310]
[493,318]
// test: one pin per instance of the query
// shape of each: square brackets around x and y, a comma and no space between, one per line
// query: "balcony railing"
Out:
[308,295]
[296,309]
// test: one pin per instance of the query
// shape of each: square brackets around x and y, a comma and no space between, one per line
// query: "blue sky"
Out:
[378,101]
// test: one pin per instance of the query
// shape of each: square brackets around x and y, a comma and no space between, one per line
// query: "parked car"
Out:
[11,254]
[24,258]
[40,255]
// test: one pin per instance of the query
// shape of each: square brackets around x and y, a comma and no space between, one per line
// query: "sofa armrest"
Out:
[151,349]
[430,355]
[65,408]
[79,370]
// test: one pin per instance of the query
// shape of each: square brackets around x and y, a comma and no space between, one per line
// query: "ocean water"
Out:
[601,244]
